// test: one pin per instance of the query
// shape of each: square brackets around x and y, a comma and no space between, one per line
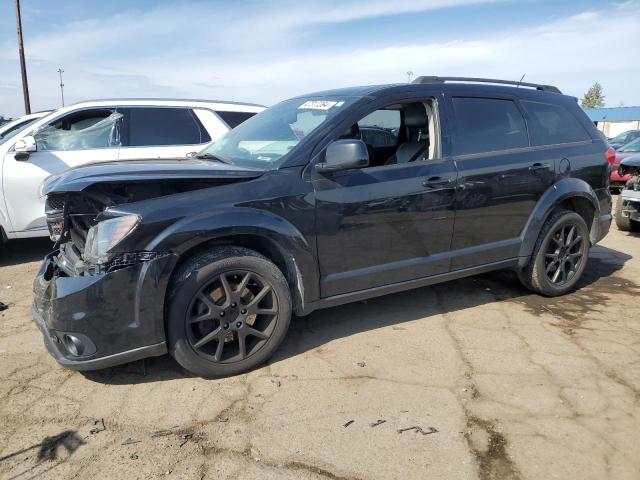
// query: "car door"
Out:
[384,224]
[500,178]
[77,137]
[162,132]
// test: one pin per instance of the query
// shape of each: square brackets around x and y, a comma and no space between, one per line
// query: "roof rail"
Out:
[430,79]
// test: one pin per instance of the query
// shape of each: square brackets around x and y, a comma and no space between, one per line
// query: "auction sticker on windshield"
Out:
[319,105]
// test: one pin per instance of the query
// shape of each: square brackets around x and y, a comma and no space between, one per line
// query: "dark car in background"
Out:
[624,138]
[207,258]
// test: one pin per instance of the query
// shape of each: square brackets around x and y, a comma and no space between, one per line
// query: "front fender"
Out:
[299,255]
[560,191]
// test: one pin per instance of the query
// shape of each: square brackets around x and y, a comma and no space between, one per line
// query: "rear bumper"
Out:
[114,317]
[604,225]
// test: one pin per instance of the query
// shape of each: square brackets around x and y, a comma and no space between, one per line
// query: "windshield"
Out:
[621,137]
[15,129]
[633,146]
[264,140]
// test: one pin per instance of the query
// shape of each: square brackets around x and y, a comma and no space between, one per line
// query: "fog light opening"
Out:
[73,345]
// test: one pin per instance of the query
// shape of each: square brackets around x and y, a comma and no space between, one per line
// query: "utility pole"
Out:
[23,65]
[409,75]
[61,71]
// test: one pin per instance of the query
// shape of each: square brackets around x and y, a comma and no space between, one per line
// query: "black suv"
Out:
[208,257]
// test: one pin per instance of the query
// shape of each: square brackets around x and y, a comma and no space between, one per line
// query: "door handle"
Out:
[437,181]
[539,166]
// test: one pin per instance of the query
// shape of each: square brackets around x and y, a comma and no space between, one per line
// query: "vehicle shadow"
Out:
[598,282]
[635,232]
[24,250]
[148,370]
[593,291]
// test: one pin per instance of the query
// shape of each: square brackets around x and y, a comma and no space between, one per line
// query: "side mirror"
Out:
[344,154]
[24,147]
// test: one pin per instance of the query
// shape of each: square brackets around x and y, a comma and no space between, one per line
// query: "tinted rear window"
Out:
[233,119]
[552,124]
[487,125]
[165,126]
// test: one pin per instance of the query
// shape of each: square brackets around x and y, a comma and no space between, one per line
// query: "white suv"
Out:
[100,131]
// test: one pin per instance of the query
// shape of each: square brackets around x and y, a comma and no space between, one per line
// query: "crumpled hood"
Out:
[630,165]
[78,178]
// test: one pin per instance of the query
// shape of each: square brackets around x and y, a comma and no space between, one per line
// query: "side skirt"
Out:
[407,285]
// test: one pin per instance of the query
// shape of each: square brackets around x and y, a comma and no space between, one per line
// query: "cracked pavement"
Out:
[498,383]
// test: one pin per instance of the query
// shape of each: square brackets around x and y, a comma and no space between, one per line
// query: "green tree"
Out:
[594,98]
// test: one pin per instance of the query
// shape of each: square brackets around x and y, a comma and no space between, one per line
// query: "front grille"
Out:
[54,203]
[54,210]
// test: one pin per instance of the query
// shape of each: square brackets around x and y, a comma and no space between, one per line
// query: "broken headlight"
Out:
[105,235]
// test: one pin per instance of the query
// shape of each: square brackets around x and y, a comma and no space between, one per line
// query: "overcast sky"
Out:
[265,51]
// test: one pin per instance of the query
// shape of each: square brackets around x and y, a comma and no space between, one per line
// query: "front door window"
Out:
[83,130]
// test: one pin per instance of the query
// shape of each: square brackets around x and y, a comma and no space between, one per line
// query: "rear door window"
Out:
[487,125]
[157,126]
[233,119]
[552,124]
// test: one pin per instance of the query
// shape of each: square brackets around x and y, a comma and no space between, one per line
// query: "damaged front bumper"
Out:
[630,204]
[98,320]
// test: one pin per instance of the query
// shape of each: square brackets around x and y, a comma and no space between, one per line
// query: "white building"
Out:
[612,121]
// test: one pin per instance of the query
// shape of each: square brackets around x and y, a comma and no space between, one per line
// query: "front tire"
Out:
[624,223]
[229,310]
[559,256]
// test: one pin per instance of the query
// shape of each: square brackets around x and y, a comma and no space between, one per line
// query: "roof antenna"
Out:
[520,81]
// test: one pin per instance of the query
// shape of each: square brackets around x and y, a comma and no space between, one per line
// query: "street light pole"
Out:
[61,71]
[409,75]
[23,65]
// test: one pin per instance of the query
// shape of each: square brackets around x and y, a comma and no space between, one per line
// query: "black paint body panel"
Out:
[342,236]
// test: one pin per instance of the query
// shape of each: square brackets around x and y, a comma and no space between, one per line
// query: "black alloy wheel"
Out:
[564,253]
[559,256]
[231,317]
[229,309]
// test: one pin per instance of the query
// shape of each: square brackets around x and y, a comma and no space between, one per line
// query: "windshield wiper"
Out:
[210,156]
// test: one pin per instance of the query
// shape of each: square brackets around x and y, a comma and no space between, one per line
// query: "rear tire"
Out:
[229,309]
[559,256]
[624,224]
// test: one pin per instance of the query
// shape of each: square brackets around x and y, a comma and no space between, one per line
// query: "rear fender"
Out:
[565,189]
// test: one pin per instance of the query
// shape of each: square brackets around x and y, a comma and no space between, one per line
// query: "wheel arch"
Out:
[569,193]
[260,231]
